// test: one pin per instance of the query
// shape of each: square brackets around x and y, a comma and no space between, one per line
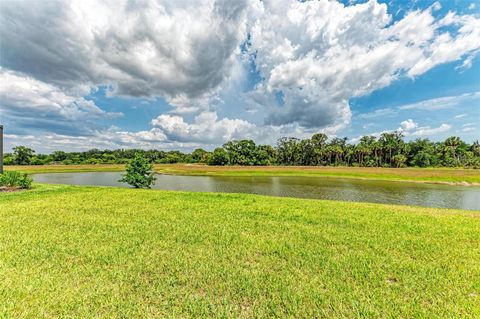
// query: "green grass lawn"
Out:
[428,175]
[83,252]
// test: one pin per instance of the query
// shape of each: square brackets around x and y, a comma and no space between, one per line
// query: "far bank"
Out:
[454,176]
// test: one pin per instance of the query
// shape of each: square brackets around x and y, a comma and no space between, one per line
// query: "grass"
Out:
[69,251]
[428,175]
[36,169]
[450,175]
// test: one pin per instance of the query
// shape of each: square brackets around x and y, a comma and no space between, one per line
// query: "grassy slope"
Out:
[434,175]
[90,251]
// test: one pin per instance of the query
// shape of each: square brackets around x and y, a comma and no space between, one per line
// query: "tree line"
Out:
[387,150]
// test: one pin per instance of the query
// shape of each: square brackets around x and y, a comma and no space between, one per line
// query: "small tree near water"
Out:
[139,173]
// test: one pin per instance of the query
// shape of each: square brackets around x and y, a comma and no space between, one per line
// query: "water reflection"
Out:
[302,187]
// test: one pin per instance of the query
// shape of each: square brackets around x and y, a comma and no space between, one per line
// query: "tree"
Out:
[288,150]
[307,152]
[421,153]
[172,157]
[399,160]
[219,157]
[139,173]
[392,144]
[242,152]
[319,143]
[199,155]
[265,155]
[337,148]
[387,150]
[476,148]
[451,146]
[23,155]
[364,149]
[59,156]
[422,159]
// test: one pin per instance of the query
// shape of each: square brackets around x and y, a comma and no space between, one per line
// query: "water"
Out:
[464,197]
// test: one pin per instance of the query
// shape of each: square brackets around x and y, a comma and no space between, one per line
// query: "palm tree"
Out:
[319,142]
[451,144]
[476,148]
[377,151]
[392,142]
[338,147]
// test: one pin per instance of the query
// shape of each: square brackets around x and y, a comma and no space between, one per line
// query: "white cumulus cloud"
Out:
[206,128]
[408,125]
[320,54]
[41,105]
[311,57]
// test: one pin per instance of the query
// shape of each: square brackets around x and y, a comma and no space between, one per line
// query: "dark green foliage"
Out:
[15,180]
[22,155]
[139,173]
[219,157]
[199,156]
[388,150]
[288,149]
[245,152]
[399,160]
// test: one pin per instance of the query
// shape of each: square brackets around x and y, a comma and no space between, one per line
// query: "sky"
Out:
[178,75]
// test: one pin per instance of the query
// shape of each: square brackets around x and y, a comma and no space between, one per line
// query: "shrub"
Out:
[25,182]
[139,173]
[15,179]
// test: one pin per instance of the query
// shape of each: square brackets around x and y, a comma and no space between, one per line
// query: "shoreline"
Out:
[462,183]
[404,175]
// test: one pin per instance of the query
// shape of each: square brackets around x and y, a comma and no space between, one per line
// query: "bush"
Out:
[15,179]
[139,173]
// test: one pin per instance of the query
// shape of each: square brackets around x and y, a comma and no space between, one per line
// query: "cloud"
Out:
[469,127]
[377,113]
[446,47]
[441,103]
[168,132]
[33,104]
[407,128]
[316,55]
[428,131]
[177,50]
[408,125]
[206,128]
[459,116]
[106,139]
[320,54]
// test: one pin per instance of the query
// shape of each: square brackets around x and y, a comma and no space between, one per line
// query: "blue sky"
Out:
[158,74]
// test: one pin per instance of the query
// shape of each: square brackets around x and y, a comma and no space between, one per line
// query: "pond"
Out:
[432,195]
